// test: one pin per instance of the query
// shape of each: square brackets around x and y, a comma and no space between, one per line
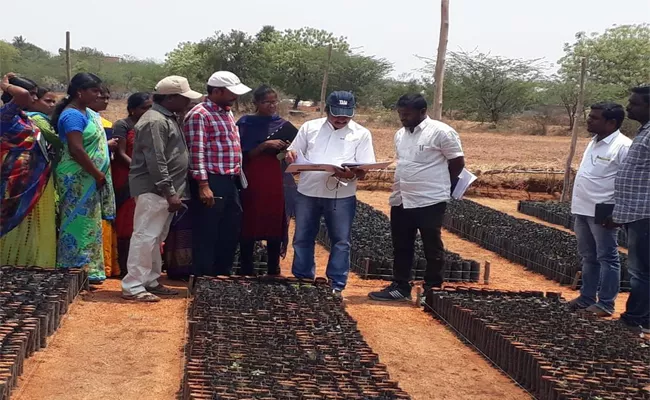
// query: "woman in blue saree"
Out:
[83,179]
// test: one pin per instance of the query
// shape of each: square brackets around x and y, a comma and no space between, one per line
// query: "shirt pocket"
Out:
[422,153]
[602,165]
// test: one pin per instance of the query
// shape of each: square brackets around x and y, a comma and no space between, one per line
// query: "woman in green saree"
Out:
[83,179]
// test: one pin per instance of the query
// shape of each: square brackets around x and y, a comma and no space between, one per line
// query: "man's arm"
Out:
[153,137]
[452,150]
[194,127]
[455,168]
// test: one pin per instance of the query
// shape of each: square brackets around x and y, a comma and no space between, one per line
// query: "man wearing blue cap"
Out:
[333,140]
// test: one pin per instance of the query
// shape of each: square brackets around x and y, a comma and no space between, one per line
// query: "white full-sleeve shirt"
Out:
[594,182]
[422,172]
[319,142]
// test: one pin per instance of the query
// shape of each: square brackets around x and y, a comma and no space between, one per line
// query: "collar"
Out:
[162,110]
[609,138]
[420,126]
[216,107]
[329,125]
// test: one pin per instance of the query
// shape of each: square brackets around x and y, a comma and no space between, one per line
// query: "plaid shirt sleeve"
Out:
[196,141]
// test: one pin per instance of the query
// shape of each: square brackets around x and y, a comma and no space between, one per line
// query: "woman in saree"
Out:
[27,222]
[83,178]
[124,134]
[264,136]
[109,235]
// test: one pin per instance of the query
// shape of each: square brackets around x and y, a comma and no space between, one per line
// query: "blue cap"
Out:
[341,104]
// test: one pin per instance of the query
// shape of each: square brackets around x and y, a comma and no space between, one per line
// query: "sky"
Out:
[398,31]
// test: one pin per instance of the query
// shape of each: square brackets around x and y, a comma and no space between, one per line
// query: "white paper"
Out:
[465,179]
[242,179]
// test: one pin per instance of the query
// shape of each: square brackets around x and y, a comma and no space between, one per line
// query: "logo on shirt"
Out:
[343,102]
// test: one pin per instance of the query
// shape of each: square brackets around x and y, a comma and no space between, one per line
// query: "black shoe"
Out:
[393,292]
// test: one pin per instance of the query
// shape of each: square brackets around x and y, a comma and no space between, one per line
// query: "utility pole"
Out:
[323,88]
[580,108]
[439,75]
[68,67]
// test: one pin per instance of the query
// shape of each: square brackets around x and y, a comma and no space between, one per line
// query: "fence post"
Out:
[486,273]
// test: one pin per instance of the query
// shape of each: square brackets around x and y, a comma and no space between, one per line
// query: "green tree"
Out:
[492,87]
[186,60]
[298,58]
[620,57]
[387,91]
[358,74]
[9,55]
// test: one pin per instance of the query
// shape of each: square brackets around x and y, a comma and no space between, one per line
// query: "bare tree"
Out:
[439,76]
[574,134]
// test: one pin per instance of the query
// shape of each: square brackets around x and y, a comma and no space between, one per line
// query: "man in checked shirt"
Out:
[632,209]
[215,176]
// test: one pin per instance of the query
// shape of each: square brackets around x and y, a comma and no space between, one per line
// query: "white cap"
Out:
[176,85]
[228,80]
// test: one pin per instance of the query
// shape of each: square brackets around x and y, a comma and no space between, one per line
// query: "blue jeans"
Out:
[637,308]
[338,214]
[601,266]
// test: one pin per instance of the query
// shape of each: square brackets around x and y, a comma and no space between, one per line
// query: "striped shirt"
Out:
[213,141]
[632,197]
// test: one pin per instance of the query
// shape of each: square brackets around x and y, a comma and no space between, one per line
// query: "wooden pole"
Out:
[566,187]
[439,75]
[68,67]
[486,273]
[323,88]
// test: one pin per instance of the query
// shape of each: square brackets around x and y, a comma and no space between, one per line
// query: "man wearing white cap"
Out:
[157,180]
[215,176]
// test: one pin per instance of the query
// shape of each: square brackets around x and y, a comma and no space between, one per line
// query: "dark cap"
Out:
[341,104]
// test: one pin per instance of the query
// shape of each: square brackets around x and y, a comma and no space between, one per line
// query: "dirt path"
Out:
[504,273]
[427,359]
[108,348]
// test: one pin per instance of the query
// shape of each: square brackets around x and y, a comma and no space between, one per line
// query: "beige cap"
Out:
[176,85]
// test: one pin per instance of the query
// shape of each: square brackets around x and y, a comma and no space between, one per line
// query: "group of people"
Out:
[612,190]
[120,188]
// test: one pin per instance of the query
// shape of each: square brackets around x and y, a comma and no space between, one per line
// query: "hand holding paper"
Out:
[465,179]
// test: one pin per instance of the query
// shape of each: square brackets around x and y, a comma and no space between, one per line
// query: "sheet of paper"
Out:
[465,179]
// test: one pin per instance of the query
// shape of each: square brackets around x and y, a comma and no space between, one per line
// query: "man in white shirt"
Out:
[429,159]
[333,140]
[594,187]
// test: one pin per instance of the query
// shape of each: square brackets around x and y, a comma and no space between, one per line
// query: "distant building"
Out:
[112,59]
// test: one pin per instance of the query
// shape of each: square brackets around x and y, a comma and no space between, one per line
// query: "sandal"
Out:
[143,297]
[162,290]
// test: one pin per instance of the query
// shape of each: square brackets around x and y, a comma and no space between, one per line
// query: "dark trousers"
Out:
[216,229]
[405,223]
[246,250]
[637,308]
